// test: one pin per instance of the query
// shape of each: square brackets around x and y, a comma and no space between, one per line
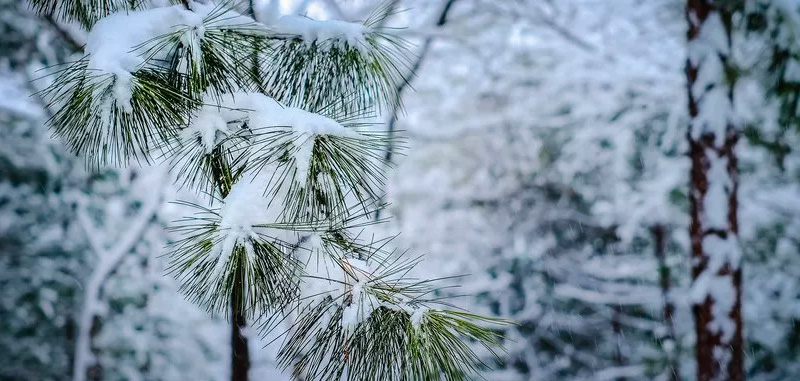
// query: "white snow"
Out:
[721,291]
[710,89]
[715,114]
[715,201]
[418,316]
[712,40]
[324,278]
[310,30]
[721,252]
[243,209]
[350,315]
[108,260]
[711,72]
[213,122]
[321,277]
[114,47]
[790,9]
[263,111]
[792,71]
[208,128]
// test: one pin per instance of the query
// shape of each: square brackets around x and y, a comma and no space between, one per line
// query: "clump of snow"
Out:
[350,314]
[721,291]
[208,127]
[710,89]
[262,111]
[115,47]
[315,242]
[721,252]
[310,30]
[348,279]
[191,39]
[418,316]
[790,9]
[212,123]
[713,38]
[720,186]
[245,207]
[415,311]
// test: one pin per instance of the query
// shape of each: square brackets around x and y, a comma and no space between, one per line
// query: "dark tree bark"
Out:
[618,358]
[716,271]
[668,309]
[240,355]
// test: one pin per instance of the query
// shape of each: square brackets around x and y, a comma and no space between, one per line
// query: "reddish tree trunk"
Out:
[716,271]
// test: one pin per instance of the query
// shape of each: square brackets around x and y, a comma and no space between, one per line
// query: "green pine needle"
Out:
[343,170]
[260,268]
[408,334]
[387,346]
[92,122]
[86,12]
[335,75]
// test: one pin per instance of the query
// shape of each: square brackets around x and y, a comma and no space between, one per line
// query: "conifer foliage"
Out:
[267,119]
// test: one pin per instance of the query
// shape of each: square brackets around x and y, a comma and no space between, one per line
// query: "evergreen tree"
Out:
[267,118]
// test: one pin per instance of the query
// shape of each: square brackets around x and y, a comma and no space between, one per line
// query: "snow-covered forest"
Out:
[604,189]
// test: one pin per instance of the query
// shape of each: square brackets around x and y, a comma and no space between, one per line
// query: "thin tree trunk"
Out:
[716,272]
[616,327]
[668,310]
[240,355]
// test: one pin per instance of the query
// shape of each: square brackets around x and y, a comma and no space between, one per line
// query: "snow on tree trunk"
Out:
[716,256]
[240,351]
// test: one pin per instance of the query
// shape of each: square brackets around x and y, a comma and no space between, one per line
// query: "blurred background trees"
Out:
[548,161]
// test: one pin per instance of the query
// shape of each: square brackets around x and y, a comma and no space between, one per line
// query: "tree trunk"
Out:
[668,310]
[240,355]
[618,358]
[716,256]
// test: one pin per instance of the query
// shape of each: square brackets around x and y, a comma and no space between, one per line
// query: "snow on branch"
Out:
[310,30]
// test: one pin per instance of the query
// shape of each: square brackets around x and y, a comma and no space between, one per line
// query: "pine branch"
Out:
[94,122]
[351,76]
[308,173]
[86,12]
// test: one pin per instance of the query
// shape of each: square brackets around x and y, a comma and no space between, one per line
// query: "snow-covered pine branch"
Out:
[136,86]
[267,120]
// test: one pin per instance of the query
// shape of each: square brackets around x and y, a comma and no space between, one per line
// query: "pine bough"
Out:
[268,121]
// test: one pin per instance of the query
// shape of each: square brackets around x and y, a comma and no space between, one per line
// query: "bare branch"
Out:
[107,262]
[73,42]
[440,21]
